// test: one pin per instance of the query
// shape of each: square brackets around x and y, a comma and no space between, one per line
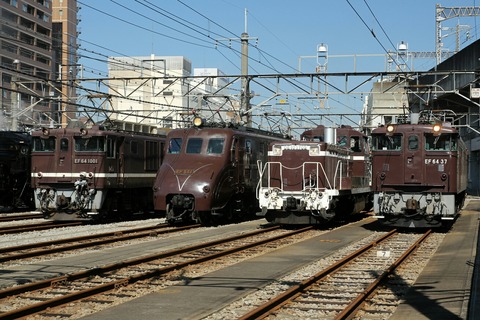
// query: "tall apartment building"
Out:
[159,91]
[32,47]
[65,58]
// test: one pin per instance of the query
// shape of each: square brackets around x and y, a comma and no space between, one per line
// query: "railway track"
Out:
[340,290]
[40,249]
[46,225]
[16,217]
[90,285]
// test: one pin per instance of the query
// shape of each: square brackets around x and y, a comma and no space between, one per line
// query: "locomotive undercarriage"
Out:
[81,202]
[310,206]
[413,210]
[181,209]
[60,203]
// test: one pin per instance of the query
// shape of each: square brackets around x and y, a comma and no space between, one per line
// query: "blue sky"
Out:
[285,36]
[288,32]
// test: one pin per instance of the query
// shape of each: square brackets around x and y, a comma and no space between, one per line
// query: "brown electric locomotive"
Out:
[324,176]
[93,173]
[419,173]
[15,191]
[209,174]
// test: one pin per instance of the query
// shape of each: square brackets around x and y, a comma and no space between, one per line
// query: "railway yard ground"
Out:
[440,281]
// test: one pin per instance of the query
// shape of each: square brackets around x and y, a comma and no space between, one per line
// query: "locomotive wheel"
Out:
[204,218]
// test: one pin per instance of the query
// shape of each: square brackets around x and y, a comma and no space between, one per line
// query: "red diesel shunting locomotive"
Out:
[419,173]
[324,176]
[94,173]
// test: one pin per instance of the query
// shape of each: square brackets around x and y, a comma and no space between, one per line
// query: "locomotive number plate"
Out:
[435,161]
[85,160]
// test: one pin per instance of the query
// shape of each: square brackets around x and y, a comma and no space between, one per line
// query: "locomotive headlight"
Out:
[206,188]
[273,194]
[436,129]
[266,194]
[276,151]
[83,131]
[390,129]
[382,176]
[198,122]
[443,176]
[314,151]
[90,175]
[45,131]
[39,175]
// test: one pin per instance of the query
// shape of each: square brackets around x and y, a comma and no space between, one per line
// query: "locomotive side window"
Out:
[174,145]
[215,145]
[194,145]
[95,144]
[44,145]
[444,142]
[384,142]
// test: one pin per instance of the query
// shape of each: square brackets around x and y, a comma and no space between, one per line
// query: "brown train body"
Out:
[419,175]
[94,174]
[209,174]
[324,176]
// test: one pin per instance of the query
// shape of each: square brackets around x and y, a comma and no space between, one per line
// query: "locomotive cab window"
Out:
[248,146]
[194,145]
[174,145]
[384,142]
[342,141]
[444,142]
[92,144]
[413,142]
[355,143]
[215,145]
[64,144]
[44,145]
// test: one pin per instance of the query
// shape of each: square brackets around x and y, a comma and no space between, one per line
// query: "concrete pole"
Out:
[245,99]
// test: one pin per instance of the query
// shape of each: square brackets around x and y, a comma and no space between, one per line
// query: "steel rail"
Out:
[18,217]
[55,302]
[53,246]
[275,303]
[37,227]
[350,310]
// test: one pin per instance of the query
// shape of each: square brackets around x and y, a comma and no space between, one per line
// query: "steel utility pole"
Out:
[442,14]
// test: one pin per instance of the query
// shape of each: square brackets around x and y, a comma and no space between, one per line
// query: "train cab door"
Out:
[121,160]
[236,156]
[413,160]
[65,159]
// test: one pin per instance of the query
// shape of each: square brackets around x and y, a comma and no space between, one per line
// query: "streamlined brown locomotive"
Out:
[324,176]
[94,173]
[209,173]
[15,191]
[419,173]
